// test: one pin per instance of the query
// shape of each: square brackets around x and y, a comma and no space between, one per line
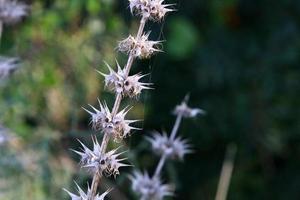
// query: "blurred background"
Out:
[237,58]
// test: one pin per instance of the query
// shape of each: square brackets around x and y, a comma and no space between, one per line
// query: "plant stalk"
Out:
[97,176]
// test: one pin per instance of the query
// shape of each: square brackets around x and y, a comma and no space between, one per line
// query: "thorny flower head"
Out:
[8,66]
[84,196]
[173,148]
[104,163]
[117,126]
[141,47]
[12,11]
[149,188]
[187,112]
[150,9]
[120,83]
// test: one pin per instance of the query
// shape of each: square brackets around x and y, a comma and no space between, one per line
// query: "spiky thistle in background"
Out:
[111,122]
[167,147]
[11,12]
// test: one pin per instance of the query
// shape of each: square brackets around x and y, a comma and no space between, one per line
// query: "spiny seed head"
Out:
[84,196]
[120,83]
[8,66]
[149,188]
[117,126]
[153,10]
[187,112]
[94,161]
[12,11]
[175,148]
[141,47]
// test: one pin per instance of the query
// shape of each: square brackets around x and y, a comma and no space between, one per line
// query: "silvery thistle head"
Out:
[149,188]
[12,11]
[154,10]
[175,148]
[105,163]
[8,66]
[84,196]
[141,48]
[126,85]
[187,112]
[117,126]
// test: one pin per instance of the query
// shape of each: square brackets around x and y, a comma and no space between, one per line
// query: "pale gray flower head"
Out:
[117,126]
[84,196]
[175,148]
[141,47]
[154,10]
[184,110]
[120,83]
[8,66]
[150,188]
[94,161]
[12,11]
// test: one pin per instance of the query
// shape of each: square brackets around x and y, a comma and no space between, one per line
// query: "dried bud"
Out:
[94,161]
[141,47]
[173,148]
[8,66]
[154,10]
[126,85]
[116,126]
[150,188]
[187,112]
[12,11]
[84,196]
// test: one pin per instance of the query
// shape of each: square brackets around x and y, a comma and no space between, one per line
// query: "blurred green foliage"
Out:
[238,59]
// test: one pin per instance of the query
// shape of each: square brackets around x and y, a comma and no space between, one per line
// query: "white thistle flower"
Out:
[154,10]
[8,66]
[117,126]
[141,48]
[175,148]
[84,196]
[126,85]
[94,161]
[12,11]
[150,188]
[187,112]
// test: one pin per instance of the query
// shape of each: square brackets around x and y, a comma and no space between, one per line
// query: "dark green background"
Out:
[239,60]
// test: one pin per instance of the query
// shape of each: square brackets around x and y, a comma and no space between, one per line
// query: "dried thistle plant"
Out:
[111,122]
[167,147]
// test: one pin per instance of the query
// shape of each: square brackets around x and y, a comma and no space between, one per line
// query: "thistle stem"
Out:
[160,165]
[176,126]
[106,137]
[1,30]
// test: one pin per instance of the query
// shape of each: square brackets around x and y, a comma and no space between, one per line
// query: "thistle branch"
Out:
[97,176]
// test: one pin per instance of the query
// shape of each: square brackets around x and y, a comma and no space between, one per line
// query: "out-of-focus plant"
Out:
[167,147]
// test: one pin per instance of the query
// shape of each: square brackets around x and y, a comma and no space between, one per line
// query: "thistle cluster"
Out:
[8,66]
[152,9]
[127,86]
[12,11]
[85,196]
[139,47]
[112,123]
[105,163]
[168,147]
